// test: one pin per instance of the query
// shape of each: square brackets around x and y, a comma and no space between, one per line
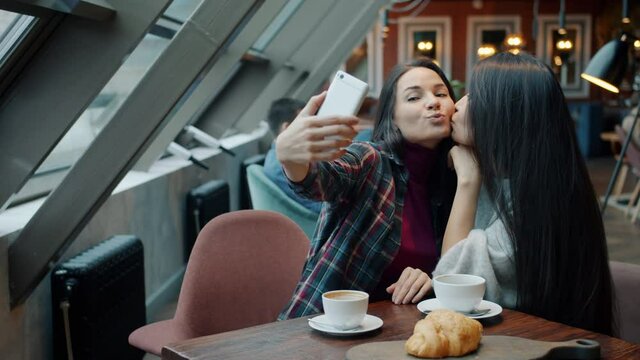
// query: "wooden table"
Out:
[294,339]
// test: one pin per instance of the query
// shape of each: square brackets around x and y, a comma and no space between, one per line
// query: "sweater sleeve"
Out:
[336,180]
[487,253]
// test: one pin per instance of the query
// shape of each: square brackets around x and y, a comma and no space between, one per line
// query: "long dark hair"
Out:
[524,133]
[389,137]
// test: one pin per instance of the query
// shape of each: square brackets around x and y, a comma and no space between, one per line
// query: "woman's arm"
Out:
[463,210]
[307,139]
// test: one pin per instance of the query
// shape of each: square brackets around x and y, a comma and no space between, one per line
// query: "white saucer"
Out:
[369,323]
[434,304]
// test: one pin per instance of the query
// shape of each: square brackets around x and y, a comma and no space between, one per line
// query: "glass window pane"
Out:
[494,37]
[105,105]
[13,29]
[181,10]
[276,25]
[98,114]
[563,57]
[424,44]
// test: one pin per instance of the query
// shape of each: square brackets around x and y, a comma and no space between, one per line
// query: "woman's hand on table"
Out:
[411,287]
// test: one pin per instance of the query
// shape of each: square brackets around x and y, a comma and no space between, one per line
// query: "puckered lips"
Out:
[437,118]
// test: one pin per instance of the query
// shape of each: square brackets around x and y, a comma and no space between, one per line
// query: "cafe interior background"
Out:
[42,210]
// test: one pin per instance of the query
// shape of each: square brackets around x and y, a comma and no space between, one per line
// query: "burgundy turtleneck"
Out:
[417,245]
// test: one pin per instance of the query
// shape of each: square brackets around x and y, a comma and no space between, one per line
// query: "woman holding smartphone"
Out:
[545,252]
[387,201]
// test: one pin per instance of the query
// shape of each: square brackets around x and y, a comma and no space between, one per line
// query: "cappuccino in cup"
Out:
[345,295]
[345,309]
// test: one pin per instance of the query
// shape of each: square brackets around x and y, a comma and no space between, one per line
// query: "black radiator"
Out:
[98,300]
[204,202]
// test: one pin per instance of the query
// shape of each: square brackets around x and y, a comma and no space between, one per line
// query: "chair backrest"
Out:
[204,202]
[242,271]
[266,195]
[245,197]
[633,153]
[626,282]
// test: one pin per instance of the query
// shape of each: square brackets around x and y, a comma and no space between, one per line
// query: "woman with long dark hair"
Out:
[386,201]
[545,252]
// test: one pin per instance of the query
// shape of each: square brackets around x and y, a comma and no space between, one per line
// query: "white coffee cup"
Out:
[345,309]
[459,292]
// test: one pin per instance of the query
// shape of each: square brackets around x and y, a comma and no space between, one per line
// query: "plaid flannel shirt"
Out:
[358,231]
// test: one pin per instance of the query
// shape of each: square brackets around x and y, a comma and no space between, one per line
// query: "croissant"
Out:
[444,333]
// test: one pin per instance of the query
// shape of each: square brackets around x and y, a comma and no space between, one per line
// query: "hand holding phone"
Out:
[295,149]
[344,97]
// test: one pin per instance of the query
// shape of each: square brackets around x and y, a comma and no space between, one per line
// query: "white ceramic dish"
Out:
[369,323]
[434,304]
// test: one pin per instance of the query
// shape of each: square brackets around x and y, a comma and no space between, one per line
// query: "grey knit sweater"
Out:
[486,252]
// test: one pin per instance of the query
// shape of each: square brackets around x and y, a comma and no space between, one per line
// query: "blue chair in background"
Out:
[588,119]
[266,195]
[245,196]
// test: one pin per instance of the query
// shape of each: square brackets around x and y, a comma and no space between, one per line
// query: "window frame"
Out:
[87,186]
[214,78]
[582,24]
[229,111]
[408,26]
[315,56]
[61,95]
[328,60]
[476,24]
[45,23]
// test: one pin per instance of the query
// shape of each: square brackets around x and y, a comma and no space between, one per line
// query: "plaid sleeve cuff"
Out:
[306,185]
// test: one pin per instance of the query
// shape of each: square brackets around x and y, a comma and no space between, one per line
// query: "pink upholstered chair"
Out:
[242,271]
[626,282]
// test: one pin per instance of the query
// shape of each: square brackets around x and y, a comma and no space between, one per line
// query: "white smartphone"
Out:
[345,95]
